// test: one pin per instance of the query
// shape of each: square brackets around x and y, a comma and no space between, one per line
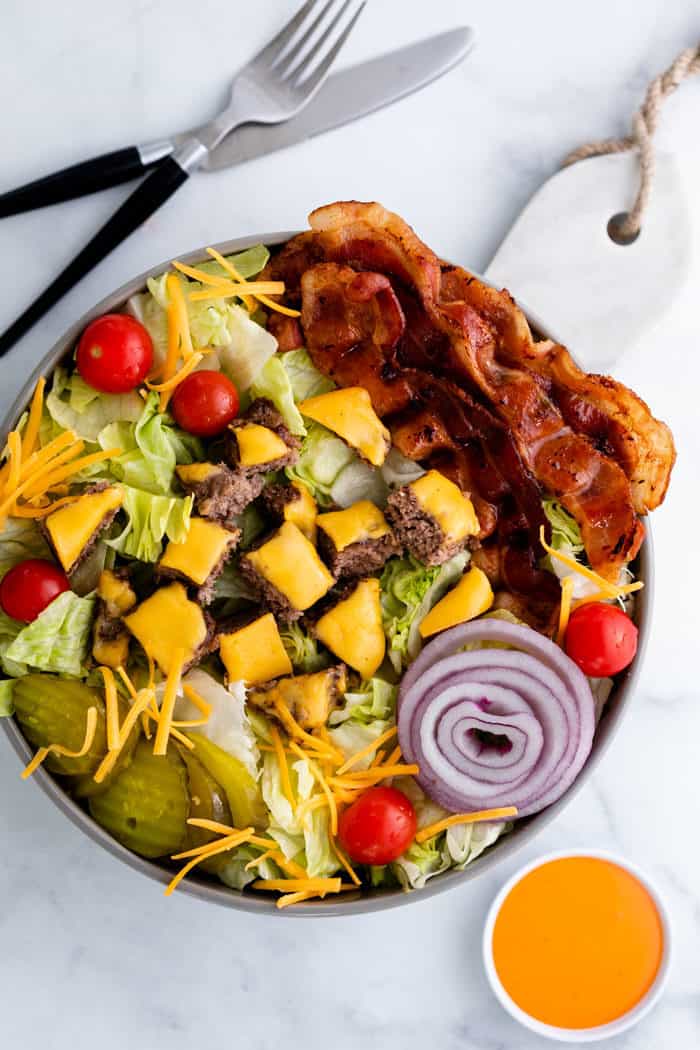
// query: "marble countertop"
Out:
[90,952]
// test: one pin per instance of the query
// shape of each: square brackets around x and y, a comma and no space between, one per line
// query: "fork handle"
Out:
[143,202]
[111,169]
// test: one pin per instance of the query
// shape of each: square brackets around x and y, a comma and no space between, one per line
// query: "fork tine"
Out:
[272,50]
[318,74]
[289,57]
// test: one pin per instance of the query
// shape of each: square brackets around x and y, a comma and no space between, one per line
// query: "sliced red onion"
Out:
[533,702]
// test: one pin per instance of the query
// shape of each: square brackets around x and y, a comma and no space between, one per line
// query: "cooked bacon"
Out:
[287,332]
[477,337]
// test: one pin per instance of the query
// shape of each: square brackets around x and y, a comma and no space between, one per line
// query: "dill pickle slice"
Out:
[52,710]
[86,787]
[146,806]
[241,790]
[207,802]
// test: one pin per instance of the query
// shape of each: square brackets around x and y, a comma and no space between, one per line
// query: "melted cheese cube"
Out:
[255,653]
[353,629]
[202,550]
[168,621]
[446,503]
[361,521]
[195,473]
[290,563]
[349,413]
[258,445]
[303,511]
[471,597]
[72,527]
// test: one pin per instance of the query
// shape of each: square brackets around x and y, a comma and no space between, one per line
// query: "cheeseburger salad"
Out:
[255,638]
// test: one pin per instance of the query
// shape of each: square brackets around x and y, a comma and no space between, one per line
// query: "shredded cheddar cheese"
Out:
[284,768]
[346,864]
[269,303]
[321,781]
[172,684]
[140,704]
[204,852]
[111,708]
[31,431]
[59,749]
[368,750]
[465,818]
[567,589]
[610,589]
[238,288]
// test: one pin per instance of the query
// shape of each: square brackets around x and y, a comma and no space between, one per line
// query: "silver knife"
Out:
[346,96]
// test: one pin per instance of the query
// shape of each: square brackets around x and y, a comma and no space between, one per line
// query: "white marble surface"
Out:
[91,953]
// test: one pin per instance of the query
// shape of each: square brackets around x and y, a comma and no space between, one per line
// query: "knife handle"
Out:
[143,202]
[111,169]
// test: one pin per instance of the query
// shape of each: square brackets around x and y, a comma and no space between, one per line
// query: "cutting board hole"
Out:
[616,233]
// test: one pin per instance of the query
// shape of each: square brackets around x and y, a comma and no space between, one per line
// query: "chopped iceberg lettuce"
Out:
[73,405]
[566,538]
[151,449]
[6,705]
[305,378]
[58,640]
[150,519]
[409,590]
[20,539]
[321,459]
[273,383]
[302,649]
[228,726]
[376,699]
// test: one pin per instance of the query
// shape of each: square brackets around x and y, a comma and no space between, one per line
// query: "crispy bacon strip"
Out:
[478,339]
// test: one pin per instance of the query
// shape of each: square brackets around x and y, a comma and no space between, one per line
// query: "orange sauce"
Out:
[577,942]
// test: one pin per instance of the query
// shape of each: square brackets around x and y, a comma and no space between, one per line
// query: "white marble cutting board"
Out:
[91,954]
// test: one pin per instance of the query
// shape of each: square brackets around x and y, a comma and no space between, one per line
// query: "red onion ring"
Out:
[532,700]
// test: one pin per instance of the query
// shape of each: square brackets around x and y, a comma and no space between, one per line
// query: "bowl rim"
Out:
[363,901]
[596,1032]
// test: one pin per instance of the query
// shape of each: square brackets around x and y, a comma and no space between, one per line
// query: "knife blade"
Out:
[348,95]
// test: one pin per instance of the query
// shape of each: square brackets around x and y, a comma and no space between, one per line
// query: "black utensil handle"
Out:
[143,202]
[100,173]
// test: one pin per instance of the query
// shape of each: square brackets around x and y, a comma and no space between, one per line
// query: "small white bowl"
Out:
[578,1035]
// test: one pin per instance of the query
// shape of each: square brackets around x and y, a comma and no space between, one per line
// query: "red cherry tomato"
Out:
[115,354]
[378,827]
[601,639]
[29,587]
[204,403]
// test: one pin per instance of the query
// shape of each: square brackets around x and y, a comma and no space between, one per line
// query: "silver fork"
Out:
[274,86]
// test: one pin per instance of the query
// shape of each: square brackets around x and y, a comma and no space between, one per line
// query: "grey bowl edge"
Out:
[361,902]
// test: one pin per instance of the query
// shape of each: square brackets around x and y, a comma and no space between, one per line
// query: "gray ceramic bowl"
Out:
[209,889]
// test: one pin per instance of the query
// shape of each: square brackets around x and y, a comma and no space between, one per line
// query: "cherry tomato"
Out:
[601,639]
[115,354]
[204,403]
[378,827]
[29,587]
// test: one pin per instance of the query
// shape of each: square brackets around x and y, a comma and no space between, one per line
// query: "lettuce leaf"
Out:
[151,449]
[20,539]
[6,705]
[9,629]
[58,639]
[302,649]
[375,700]
[566,534]
[398,470]
[248,263]
[359,481]
[233,872]
[321,459]
[304,377]
[228,726]
[353,735]
[73,405]
[409,590]
[273,383]
[308,843]
[150,519]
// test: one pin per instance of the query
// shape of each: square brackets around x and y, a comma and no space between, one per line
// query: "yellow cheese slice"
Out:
[258,444]
[168,621]
[361,521]
[115,592]
[199,554]
[290,563]
[255,653]
[71,527]
[195,473]
[353,630]
[303,511]
[443,500]
[349,413]
[471,597]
